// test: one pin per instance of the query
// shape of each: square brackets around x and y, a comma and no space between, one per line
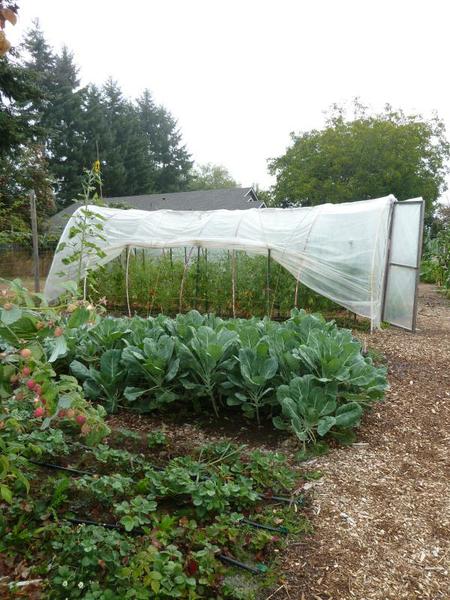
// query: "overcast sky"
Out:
[240,75]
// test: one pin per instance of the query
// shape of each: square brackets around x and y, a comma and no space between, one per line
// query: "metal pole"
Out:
[34,232]
[388,259]
[419,257]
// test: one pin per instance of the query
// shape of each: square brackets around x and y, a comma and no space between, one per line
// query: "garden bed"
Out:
[182,481]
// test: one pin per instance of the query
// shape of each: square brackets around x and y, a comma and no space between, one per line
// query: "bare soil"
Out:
[381,512]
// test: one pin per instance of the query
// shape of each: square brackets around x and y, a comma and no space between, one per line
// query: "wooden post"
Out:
[34,232]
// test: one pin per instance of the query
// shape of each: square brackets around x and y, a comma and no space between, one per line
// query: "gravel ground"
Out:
[381,511]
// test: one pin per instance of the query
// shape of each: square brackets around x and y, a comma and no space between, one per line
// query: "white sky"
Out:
[239,75]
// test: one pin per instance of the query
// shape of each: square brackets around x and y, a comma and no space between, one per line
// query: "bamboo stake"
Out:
[186,266]
[126,280]
[233,282]
[268,282]
[197,277]
[297,284]
[206,278]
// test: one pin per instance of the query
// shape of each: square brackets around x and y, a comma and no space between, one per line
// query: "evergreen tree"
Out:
[40,64]
[172,162]
[65,127]
[17,95]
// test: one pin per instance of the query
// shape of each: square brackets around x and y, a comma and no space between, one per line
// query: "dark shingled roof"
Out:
[228,198]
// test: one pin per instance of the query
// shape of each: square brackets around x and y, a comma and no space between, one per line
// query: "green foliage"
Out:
[106,488]
[155,362]
[435,267]
[156,438]
[211,177]
[107,381]
[250,364]
[137,512]
[364,156]
[154,285]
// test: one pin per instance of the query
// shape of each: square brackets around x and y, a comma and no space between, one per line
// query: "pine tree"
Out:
[40,64]
[172,161]
[17,94]
[65,125]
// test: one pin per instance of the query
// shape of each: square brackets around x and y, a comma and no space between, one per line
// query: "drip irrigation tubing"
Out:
[298,501]
[58,467]
[258,570]
[256,525]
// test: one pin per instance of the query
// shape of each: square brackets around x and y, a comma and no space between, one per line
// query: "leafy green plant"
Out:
[206,359]
[156,438]
[258,367]
[106,382]
[310,407]
[136,512]
[105,488]
[162,571]
[156,365]
[86,230]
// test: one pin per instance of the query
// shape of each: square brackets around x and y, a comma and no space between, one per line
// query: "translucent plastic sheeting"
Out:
[338,250]
[403,264]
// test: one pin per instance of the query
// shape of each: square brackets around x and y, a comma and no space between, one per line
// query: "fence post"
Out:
[34,233]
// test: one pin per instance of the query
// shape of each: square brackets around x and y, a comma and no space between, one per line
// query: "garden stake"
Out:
[233,282]
[126,281]
[206,278]
[268,282]
[197,278]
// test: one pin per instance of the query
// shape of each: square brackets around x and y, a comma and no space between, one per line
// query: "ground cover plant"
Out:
[94,513]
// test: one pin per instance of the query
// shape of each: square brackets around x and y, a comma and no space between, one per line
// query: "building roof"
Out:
[228,198]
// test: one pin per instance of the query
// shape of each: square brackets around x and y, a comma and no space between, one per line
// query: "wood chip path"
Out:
[381,511]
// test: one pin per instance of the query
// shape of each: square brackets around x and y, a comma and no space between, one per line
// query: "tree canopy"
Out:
[363,156]
[50,122]
[211,177]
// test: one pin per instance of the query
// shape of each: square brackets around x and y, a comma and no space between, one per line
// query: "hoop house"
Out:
[342,251]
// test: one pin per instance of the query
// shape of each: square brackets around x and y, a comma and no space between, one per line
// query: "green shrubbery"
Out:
[435,266]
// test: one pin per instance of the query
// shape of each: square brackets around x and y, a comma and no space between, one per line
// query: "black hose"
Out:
[283,530]
[236,563]
[299,501]
[227,559]
[58,467]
